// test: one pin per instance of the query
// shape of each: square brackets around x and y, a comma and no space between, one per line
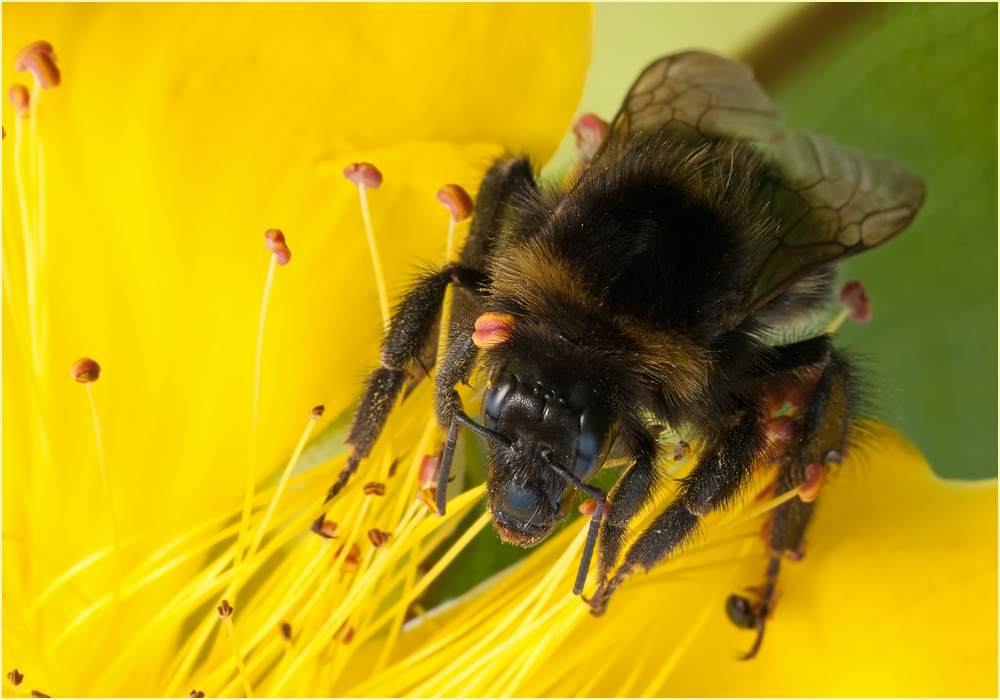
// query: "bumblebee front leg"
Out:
[721,473]
[410,329]
[821,438]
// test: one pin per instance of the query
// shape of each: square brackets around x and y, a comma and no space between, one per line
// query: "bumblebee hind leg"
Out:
[821,438]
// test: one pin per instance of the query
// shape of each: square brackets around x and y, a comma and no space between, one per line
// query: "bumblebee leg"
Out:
[507,180]
[822,437]
[410,329]
[720,474]
[633,492]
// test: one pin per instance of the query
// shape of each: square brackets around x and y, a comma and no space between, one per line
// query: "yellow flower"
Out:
[179,135]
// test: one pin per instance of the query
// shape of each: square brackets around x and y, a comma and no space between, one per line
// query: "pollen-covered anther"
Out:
[364,175]
[224,609]
[15,677]
[815,476]
[378,538]
[20,100]
[196,694]
[429,471]
[393,467]
[590,132]
[351,562]
[681,450]
[39,694]
[285,630]
[327,530]
[85,370]
[854,298]
[428,497]
[274,241]
[39,59]
[373,488]
[492,328]
[345,633]
[317,412]
[588,507]
[457,200]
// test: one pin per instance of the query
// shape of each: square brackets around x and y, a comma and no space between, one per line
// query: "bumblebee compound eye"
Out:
[597,430]
[500,389]
[522,514]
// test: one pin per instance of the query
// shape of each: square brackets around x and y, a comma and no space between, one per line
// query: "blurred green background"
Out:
[915,82]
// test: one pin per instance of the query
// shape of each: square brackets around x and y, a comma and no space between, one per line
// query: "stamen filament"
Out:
[112,518]
[258,364]
[383,297]
[238,657]
[262,528]
[837,321]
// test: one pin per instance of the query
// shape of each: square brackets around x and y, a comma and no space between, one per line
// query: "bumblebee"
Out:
[653,289]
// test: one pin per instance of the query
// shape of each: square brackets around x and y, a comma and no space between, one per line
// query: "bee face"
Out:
[549,418]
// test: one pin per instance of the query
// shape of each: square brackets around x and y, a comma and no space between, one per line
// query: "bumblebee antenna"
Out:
[449,452]
[599,495]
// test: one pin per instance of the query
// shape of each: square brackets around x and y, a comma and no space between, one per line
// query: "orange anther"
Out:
[815,476]
[224,609]
[274,241]
[40,60]
[20,99]
[285,630]
[681,450]
[317,412]
[327,530]
[373,488]
[429,471]
[492,328]
[588,507]
[590,131]
[196,694]
[15,677]
[378,537]
[855,300]
[85,370]
[457,200]
[363,175]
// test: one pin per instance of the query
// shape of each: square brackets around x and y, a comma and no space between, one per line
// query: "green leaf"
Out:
[919,83]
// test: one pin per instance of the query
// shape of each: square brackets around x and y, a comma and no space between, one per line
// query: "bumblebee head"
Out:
[548,418]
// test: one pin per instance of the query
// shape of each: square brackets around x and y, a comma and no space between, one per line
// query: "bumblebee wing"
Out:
[830,202]
[692,97]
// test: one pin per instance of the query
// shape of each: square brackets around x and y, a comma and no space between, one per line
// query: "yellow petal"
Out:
[179,134]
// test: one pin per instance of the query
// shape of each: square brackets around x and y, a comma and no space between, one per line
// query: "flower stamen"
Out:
[314,415]
[367,177]
[274,241]
[459,205]
[226,613]
[86,371]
